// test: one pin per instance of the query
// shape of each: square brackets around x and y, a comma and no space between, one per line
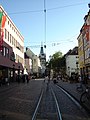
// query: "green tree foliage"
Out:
[57,61]
[57,55]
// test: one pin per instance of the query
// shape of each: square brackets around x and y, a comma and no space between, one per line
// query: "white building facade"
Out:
[72,65]
[12,52]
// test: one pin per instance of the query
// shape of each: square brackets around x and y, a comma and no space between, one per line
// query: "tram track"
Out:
[47,107]
[55,103]
[69,106]
[76,101]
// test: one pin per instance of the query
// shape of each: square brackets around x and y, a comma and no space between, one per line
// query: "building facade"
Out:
[27,64]
[35,62]
[72,66]
[84,48]
[11,48]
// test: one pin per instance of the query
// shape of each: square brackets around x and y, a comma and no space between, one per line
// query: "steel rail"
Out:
[37,106]
[75,101]
[72,98]
[59,112]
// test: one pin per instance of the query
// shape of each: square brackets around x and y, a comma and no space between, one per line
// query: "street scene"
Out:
[39,100]
[44,60]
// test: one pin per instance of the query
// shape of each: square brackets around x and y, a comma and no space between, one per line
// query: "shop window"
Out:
[1,51]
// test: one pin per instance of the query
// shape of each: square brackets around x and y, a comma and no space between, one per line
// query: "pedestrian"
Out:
[27,78]
[85,79]
[18,78]
[80,80]
[23,78]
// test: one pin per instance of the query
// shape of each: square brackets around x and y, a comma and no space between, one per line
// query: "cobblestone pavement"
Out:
[17,101]
[71,88]
[47,109]
[69,109]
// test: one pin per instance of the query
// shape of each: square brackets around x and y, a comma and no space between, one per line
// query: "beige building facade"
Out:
[84,48]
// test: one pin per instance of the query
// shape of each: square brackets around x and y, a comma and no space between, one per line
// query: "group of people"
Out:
[54,79]
[23,78]
[17,78]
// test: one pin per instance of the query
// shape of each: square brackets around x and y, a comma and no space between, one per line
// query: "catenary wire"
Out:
[34,11]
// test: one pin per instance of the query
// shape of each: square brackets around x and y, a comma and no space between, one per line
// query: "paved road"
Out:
[71,88]
[17,101]
[69,109]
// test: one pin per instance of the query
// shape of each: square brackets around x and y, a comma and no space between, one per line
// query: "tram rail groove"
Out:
[34,116]
[59,112]
[76,101]
[37,106]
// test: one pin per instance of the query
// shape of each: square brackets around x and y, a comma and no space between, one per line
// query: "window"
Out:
[8,36]
[4,51]
[12,40]
[7,52]
[5,34]
[89,53]
[8,22]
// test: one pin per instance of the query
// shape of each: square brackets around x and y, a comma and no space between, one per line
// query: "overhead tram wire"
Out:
[77,4]
[52,43]
[60,7]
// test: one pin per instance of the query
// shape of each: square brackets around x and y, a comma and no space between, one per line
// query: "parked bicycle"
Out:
[85,96]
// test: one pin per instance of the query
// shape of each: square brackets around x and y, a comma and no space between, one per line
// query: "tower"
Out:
[42,57]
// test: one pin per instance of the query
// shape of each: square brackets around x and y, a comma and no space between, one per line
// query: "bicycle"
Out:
[85,96]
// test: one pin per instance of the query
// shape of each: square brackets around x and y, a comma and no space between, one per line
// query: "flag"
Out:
[3,21]
[1,14]
[86,30]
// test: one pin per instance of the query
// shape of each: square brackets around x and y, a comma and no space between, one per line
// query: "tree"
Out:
[57,55]
[54,61]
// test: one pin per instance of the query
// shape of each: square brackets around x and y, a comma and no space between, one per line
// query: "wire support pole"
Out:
[45,21]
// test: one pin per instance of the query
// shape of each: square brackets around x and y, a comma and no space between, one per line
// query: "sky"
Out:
[64,19]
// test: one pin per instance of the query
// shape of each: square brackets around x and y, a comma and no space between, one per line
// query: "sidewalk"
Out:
[71,88]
